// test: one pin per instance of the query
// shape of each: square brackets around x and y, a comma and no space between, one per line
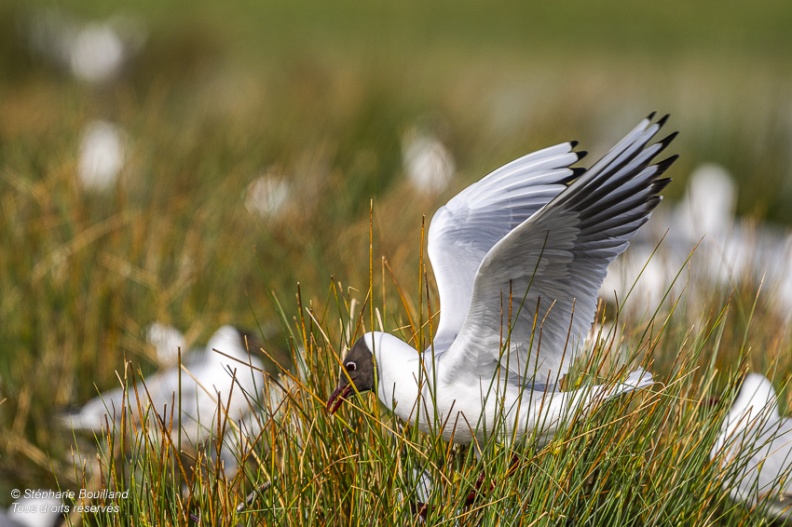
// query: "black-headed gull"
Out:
[755,445]
[519,257]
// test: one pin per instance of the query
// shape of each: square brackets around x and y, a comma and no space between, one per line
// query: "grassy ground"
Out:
[322,96]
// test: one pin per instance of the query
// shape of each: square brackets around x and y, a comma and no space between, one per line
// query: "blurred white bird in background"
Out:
[229,376]
[429,165]
[709,205]
[268,195]
[101,157]
[91,51]
[754,448]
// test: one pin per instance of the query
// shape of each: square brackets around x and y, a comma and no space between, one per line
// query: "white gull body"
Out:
[755,446]
[168,342]
[205,381]
[519,258]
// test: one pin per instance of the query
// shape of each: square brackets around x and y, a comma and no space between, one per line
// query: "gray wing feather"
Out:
[545,273]
[470,224]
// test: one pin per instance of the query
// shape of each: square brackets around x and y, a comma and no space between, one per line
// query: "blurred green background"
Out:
[209,96]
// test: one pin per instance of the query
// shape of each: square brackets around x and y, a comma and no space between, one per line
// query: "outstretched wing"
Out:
[535,292]
[470,224]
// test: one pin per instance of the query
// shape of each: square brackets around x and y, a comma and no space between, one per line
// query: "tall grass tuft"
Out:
[641,459]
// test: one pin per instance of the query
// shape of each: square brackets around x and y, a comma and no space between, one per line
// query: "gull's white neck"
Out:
[399,372]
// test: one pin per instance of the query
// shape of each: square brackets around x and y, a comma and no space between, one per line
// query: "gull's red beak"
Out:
[338,396]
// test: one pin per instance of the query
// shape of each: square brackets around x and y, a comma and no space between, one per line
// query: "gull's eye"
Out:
[350,366]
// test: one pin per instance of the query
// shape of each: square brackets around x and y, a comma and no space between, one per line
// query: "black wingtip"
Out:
[581,154]
[573,144]
[663,119]
[660,184]
[663,165]
[650,116]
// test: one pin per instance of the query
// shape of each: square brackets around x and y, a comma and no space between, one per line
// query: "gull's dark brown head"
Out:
[358,366]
